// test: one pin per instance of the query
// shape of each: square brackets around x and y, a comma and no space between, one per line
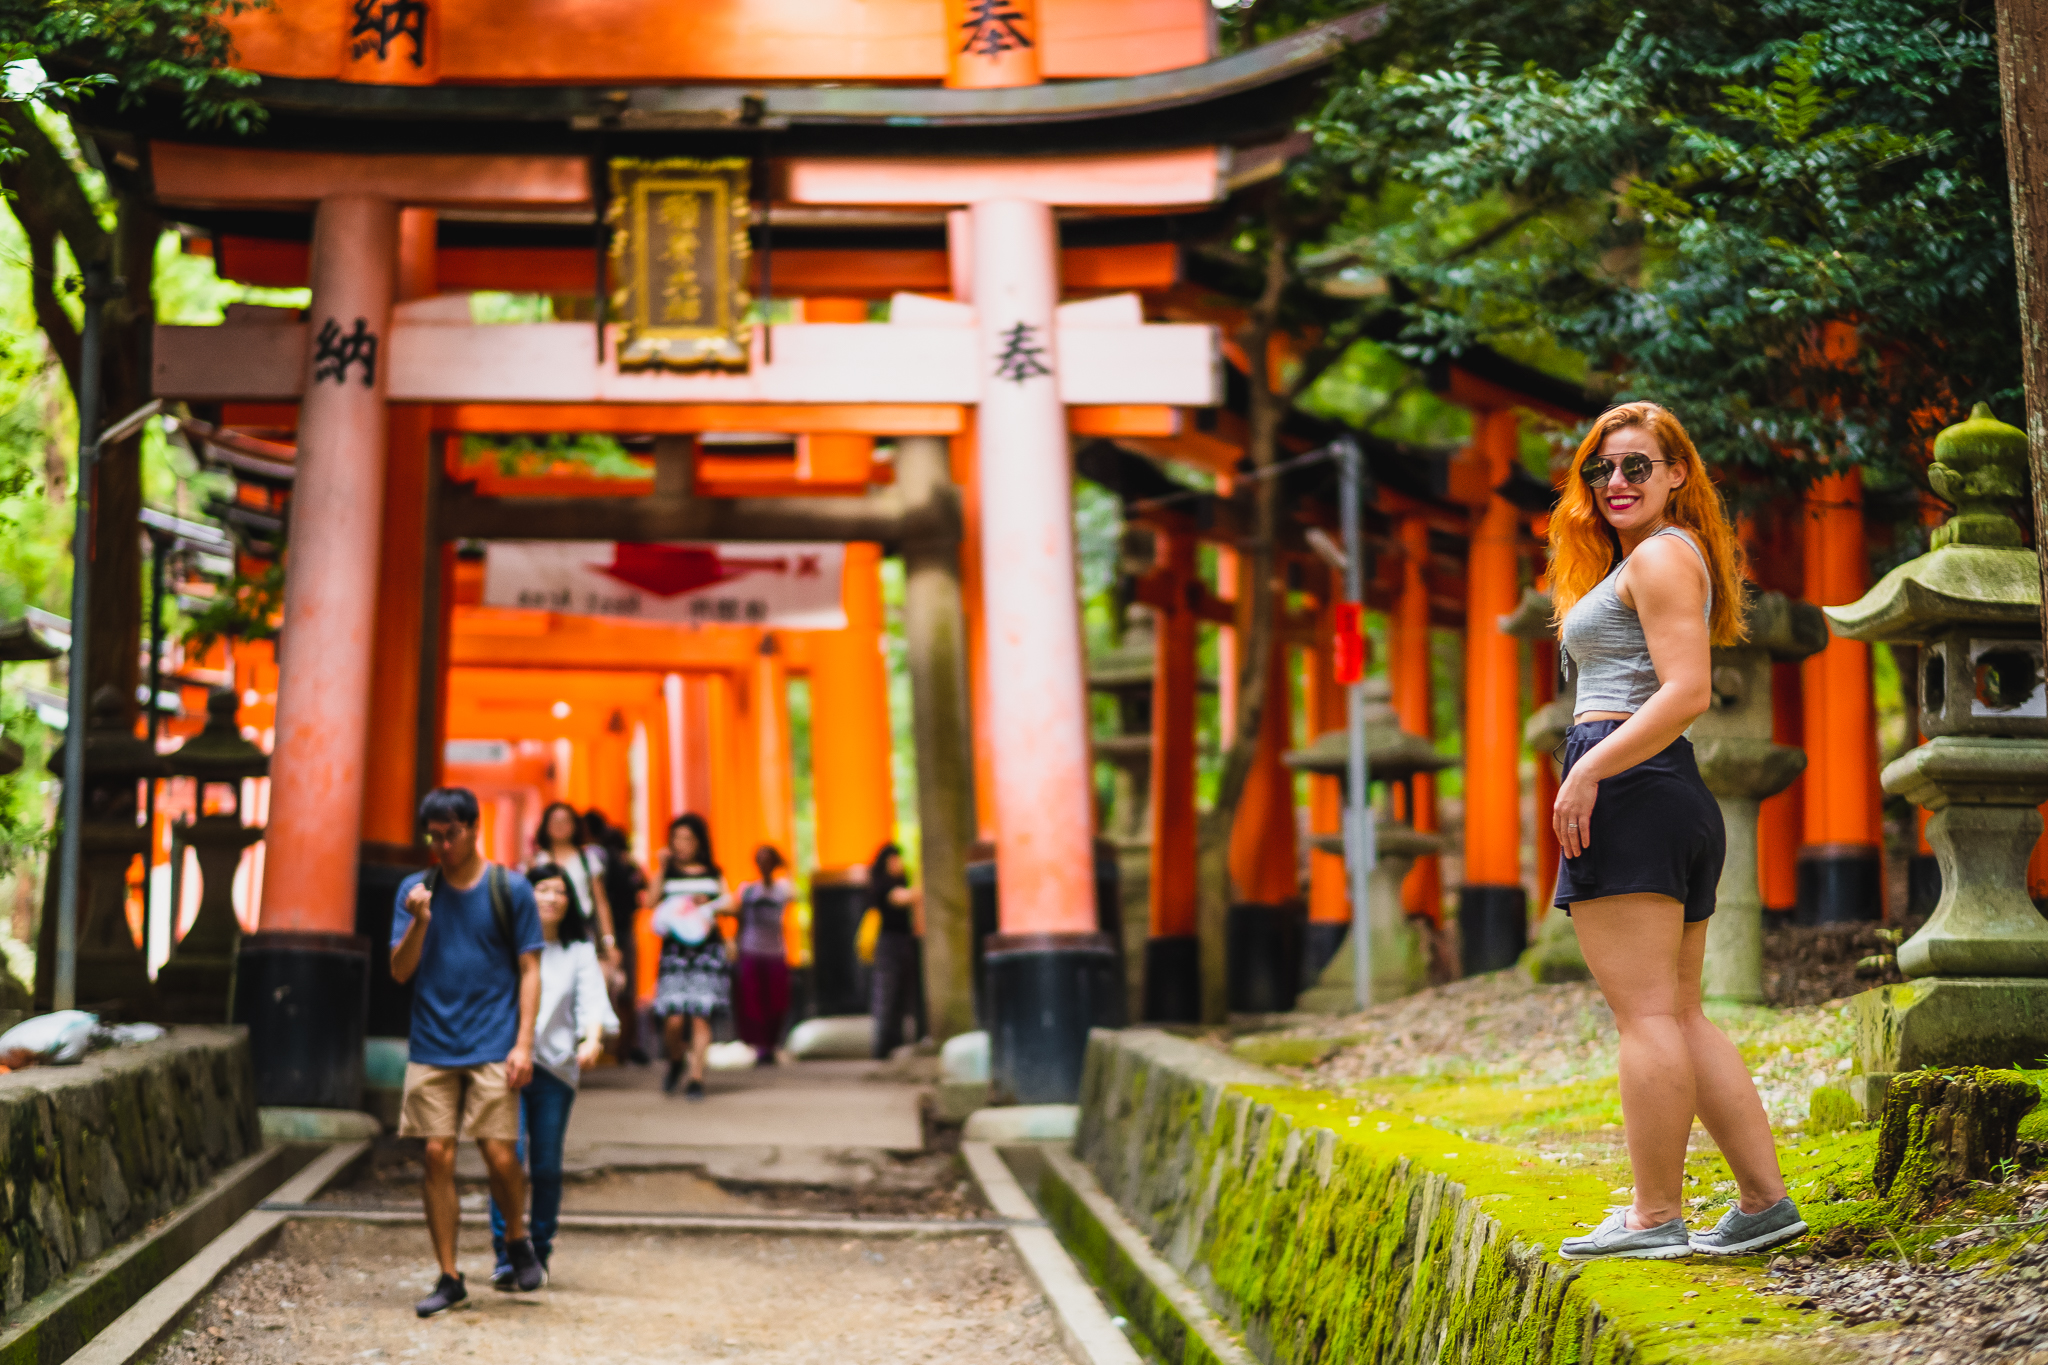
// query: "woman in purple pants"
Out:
[763,997]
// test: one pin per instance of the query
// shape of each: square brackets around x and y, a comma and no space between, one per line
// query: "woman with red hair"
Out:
[1647,577]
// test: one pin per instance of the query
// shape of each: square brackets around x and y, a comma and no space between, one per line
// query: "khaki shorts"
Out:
[457,1101]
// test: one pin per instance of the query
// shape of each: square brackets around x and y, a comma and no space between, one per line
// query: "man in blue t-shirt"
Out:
[467,935]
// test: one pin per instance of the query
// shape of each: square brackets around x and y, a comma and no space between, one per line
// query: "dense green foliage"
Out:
[1786,218]
[123,49]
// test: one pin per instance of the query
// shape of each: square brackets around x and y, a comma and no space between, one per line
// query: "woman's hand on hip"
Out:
[1572,817]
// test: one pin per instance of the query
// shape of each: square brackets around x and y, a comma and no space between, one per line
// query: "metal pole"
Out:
[1359,854]
[159,544]
[64,978]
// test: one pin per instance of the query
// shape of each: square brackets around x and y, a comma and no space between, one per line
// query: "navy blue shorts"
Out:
[1656,829]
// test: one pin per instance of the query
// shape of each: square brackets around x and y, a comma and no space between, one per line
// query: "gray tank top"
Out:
[1603,641]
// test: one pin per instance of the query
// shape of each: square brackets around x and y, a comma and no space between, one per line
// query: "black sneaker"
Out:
[446,1295]
[528,1274]
[503,1277]
[694,1090]
[673,1079]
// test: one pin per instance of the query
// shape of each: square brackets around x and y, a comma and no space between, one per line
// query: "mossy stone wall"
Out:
[1318,1248]
[90,1154]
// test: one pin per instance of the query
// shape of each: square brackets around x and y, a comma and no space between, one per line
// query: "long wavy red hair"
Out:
[1583,546]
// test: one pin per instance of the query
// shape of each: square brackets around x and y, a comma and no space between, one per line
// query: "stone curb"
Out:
[59,1321]
[143,1327]
[1085,1328]
[1148,1290]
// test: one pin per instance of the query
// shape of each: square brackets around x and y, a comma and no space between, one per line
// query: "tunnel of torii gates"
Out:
[1017,190]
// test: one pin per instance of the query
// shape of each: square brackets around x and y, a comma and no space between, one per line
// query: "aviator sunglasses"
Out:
[1598,470]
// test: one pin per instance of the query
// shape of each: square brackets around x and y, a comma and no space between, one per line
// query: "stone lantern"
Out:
[197,984]
[112,973]
[1125,673]
[1741,766]
[1400,963]
[1555,955]
[1978,970]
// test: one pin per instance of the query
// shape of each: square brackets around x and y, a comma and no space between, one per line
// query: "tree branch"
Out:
[46,188]
[50,314]
[1266,411]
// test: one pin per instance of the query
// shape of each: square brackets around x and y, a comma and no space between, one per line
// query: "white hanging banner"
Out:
[786,585]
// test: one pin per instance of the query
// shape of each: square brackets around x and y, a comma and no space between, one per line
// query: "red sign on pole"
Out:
[1347,653]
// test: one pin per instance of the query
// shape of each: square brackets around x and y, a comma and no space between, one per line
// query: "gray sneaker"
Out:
[1738,1232]
[1615,1239]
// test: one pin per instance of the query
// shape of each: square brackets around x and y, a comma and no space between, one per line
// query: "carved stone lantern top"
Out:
[1973,602]
[113,752]
[1126,667]
[23,641]
[1980,465]
[218,753]
[1530,620]
[1977,575]
[1392,754]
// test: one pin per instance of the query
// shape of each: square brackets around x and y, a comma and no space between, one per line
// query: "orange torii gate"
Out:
[376,373]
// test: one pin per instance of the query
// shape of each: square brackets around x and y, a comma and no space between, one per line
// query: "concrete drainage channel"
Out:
[1062,1222]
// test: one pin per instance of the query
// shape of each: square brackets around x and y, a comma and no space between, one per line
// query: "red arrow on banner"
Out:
[671,570]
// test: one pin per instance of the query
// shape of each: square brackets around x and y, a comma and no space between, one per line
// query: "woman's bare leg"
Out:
[700,1046]
[1724,1093]
[1634,946]
[672,1037]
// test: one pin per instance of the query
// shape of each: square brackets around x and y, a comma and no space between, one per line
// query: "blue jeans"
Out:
[543,1123]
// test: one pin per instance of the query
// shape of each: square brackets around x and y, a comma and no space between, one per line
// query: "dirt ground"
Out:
[1806,966]
[335,1292]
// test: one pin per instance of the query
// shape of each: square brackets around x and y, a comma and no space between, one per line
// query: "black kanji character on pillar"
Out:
[334,351]
[991,28]
[1022,358]
[380,23]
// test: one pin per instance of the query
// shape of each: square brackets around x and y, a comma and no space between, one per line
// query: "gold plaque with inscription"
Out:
[679,256]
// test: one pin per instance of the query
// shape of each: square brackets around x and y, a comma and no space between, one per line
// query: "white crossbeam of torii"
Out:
[926,353]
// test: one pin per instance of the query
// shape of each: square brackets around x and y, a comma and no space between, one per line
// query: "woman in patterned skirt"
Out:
[693,984]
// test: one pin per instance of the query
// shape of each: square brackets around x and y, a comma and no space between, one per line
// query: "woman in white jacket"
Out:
[568,1034]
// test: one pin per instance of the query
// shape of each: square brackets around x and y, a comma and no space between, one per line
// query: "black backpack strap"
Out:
[501,910]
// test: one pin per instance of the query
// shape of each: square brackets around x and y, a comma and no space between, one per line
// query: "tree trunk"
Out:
[2023,82]
[115,636]
[1267,409]
[1939,1130]
[935,630]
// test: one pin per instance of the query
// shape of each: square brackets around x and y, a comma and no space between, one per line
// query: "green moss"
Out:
[1418,1221]
[1832,1111]
[1269,1050]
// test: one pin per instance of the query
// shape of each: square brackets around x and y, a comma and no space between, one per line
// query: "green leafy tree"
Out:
[1788,222]
[86,205]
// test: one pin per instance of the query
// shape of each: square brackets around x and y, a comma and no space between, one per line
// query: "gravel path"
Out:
[1994,1312]
[335,1292]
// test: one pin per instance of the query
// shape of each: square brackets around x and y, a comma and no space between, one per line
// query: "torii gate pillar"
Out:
[303,980]
[1049,968]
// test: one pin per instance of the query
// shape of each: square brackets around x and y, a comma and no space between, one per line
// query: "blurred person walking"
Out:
[572,1021]
[466,932]
[895,988]
[762,1000]
[693,985]
[564,841]
[625,888]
